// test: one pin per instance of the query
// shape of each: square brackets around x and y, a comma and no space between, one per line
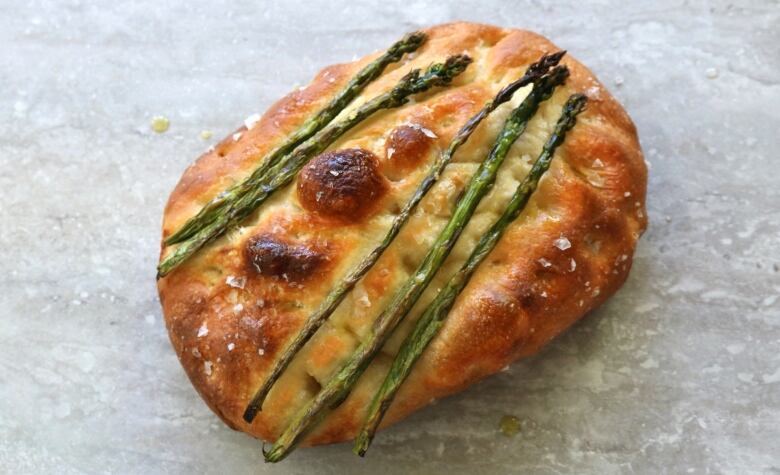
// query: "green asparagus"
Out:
[355,86]
[338,387]
[337,294]
[284,171]
[433,317]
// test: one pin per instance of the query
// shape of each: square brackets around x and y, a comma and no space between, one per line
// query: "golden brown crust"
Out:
[232,307]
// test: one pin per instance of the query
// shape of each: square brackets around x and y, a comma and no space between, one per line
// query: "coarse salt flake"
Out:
[230,346]
[236,282]
[237,308]
[572,265]
[251,121]
[237,136]
[207,367]
[562,243]
[203,330]
[544,262]
[428,132]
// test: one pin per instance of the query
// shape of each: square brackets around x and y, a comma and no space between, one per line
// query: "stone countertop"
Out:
[678,373]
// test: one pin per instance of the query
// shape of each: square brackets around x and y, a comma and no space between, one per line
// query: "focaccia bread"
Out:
[232,307]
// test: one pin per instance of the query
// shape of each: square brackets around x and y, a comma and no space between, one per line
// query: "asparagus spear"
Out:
[433,318]
[354,87]
[284,171]
[337,389]
[337,294]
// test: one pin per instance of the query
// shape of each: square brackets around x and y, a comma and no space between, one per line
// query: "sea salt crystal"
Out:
[544,262]
[251,121]
[203,330]
[544,294]
[334,173]
[230,346]
[627,194]
[237,308]
[572,265]
[390,152]
[207,367]
[562,243]
[260,351]
[364,301]
[237,136]
[428,133]
[597,163]
[236,282]
[196,353]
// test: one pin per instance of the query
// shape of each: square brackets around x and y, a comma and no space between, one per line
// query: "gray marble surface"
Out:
[679,373]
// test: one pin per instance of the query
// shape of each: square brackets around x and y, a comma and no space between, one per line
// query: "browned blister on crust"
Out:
[232,307]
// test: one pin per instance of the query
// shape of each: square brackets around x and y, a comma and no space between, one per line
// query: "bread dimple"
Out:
[232,307]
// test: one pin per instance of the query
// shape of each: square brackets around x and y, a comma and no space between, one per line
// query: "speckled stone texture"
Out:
[679,373]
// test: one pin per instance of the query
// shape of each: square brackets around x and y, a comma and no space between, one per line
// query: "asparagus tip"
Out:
[557,76]
[415,39]
[575,104]
[457,64]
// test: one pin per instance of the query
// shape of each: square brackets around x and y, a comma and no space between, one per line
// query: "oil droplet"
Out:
[206,134]
[509,425]
[160,124]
